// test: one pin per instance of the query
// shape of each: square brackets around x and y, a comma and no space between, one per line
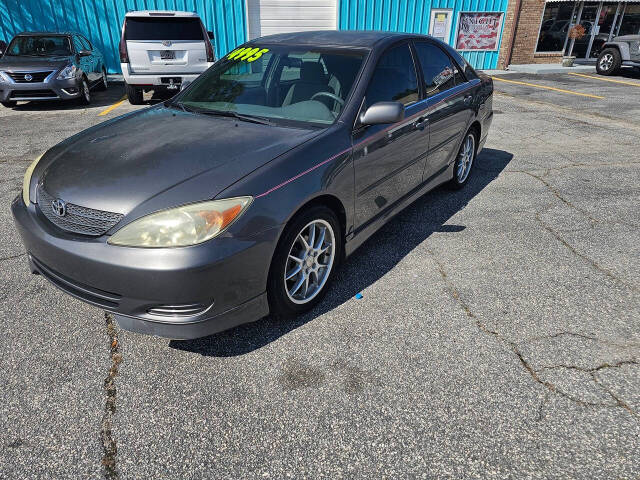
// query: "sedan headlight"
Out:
[4,77]
[182,226]
[68,72]
[26,181]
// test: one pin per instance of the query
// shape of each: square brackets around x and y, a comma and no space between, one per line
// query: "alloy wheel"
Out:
[309,262]
[465,157]
[606,61]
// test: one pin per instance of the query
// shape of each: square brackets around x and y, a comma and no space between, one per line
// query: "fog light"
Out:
[71,90]
[184,310]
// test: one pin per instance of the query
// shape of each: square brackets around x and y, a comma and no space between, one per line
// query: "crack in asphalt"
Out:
[583,336]
[11,257]
[523,361]
[584,257]
[109,446]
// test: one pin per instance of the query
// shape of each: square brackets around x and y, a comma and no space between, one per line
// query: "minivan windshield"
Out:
[278,83]
[163,28]
[39,46]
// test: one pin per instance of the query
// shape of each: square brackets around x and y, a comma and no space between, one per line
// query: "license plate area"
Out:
[167,55]
[171,82]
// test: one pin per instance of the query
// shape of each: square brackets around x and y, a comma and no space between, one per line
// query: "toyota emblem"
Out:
[59,207]
[166,43]
[28,77]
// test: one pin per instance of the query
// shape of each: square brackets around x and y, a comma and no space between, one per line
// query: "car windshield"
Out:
[279,83]
[39,46]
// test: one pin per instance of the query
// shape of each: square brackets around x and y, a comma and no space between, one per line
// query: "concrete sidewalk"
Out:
[544,68]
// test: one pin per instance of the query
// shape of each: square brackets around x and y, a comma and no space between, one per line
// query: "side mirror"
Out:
[383,112]
[210,35]
[84,53]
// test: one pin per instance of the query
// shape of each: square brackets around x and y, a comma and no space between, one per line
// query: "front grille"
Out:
[91,295]
[33,94]
[77,219]
[36,77]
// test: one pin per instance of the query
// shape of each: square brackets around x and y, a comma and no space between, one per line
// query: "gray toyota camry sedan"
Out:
[242,194]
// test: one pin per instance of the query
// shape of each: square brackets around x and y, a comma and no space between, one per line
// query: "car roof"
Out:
[341,38]
[160,13]
[51,34]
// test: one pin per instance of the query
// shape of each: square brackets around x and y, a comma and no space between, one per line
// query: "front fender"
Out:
[622,47]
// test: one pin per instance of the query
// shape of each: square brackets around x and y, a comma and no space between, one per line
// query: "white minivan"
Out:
[162,50]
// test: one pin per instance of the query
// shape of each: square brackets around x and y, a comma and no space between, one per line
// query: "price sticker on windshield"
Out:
[248,54]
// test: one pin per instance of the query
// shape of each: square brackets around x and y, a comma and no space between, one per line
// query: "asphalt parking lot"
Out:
[498,334]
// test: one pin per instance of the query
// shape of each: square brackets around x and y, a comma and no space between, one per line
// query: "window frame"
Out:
[457,70]
[566,37]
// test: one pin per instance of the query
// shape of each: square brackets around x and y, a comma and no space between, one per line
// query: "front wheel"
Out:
[609,61]
[85,94]
[305,261]
[464,161]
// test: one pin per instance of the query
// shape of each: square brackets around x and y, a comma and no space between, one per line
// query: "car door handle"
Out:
[467,99]
[421,123]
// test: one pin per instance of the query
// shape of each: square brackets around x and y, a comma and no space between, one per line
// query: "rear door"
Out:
[449,105]
[165,45]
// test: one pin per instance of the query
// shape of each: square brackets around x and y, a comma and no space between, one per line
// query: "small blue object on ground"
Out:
[358,296]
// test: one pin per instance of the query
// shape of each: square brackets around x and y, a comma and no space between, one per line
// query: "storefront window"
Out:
[631,21]
[554,28]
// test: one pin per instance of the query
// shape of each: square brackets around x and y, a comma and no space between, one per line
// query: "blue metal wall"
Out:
[101,20]
[414,16]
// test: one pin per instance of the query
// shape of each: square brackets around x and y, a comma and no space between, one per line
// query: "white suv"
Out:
[162,49]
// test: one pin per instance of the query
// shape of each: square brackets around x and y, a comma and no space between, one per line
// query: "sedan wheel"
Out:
[85,95]
[305,261]
[309,262]
[464,161]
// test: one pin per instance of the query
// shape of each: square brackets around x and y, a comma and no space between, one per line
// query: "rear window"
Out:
[163,29]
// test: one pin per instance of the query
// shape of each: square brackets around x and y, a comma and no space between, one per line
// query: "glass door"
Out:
[605,24]
[587,19]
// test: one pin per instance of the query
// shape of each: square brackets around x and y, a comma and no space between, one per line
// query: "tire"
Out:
[9,104]
[609,61]
[467,156]
[103,84]
[134,94]
[85,93]
[282,302]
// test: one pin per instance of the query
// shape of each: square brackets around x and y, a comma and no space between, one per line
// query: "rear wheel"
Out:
[85,93]
[134,94]
[103,83]
[609,61]
[305,261]
[9,104]
[464,161]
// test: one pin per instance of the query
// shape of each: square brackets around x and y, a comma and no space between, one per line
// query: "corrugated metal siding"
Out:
[413,16]
[101,20]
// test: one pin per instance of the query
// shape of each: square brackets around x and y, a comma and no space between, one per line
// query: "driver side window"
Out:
[394,79]
[77,44]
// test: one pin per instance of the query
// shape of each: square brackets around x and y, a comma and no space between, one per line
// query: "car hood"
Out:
[18,63]
[161,157]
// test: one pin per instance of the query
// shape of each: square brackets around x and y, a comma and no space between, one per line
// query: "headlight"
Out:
[26,182]
[4,77]
[68,72]
[182,226]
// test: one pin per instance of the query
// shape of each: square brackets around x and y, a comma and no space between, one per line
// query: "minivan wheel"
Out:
[103,84]
[305,262]
[85,94]
[464,161]
[134,94]
[9,104]
[609,61]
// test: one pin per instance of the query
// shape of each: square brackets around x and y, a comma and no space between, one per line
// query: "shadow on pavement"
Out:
[388,247]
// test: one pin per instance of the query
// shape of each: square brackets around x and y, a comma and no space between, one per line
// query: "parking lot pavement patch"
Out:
[605,79]
[545,87]
[113,107]
[110,449]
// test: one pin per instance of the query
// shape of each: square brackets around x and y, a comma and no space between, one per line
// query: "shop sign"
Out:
[478,30]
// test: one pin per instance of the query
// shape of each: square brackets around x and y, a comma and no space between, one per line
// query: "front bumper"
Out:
[178,293]
[50,89]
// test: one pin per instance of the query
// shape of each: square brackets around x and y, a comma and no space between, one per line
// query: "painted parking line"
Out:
[605,79]
[535,85]
[113,107]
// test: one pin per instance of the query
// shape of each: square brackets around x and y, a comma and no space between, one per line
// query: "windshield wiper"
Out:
[236,115]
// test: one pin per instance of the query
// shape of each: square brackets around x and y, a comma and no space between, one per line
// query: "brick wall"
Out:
[526,35]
